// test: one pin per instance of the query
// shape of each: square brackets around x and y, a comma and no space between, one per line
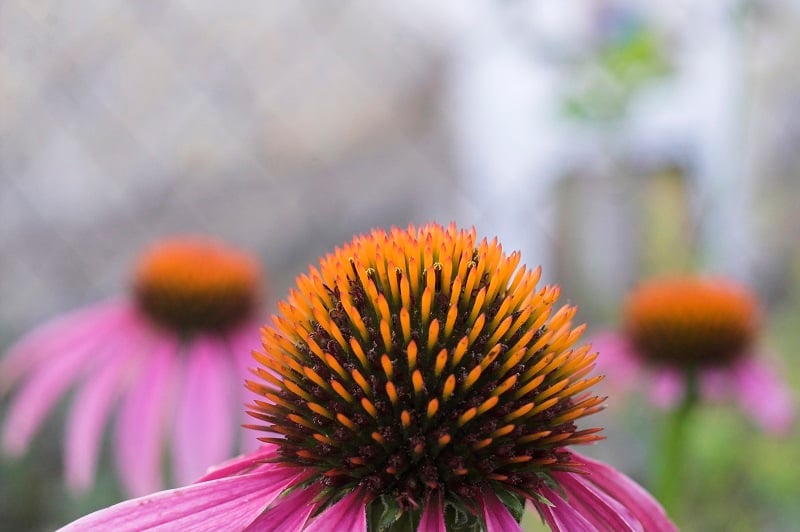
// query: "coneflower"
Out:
[691,340]
[171,354]
[417,380]
[696,335]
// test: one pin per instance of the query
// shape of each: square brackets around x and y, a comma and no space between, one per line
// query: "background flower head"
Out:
[703,328]
[169,358]
[418,379]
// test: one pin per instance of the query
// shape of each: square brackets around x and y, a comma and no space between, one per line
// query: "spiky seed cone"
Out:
[194,283]
[691,321]
[419,360]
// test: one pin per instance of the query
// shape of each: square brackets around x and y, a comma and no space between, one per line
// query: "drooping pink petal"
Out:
[77,330]
[141,420]
[90,410]
[205,420]
[242,463]
[44,387]
[289,513]
[496,515]
[763,395]
[715,384]
[594,505]
[225,504]
[618,361]
[628,493]
[561,516]
[667,388]
[348,514]
[242,343]
[433,516]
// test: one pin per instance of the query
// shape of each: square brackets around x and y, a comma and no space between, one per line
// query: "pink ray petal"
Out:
[348,514]
[667,388]
[204,424]
[290,513]
[76,330]
[242,343]
[44,387]
[224,504]
[141,421]
[628,493]
[89,412]
[242,463]
[764,396]
[594,505]
[433,516]
[618,361]
[561,516]
[496,515]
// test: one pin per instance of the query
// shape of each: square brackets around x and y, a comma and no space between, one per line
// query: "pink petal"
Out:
[561,516]
[204,422]
[224,504]
[242,343]
[496,515]
[348,514]
[618,361]
[764,396]
[141,421]
[433,516]
[88,415]
[78,330]
[667,388]
[289,513]
[242,463]
[628,493]
[45,386]
[593,504]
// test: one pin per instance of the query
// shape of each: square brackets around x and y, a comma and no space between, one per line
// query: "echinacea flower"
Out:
[170,357]
[701,329]
[418,380]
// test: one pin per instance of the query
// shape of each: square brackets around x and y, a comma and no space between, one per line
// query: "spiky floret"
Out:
[418,361]
[691,321]
[196,284]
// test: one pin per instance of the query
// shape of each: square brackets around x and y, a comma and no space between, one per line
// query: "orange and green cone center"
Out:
[689,322]
[421,360]
[196,284]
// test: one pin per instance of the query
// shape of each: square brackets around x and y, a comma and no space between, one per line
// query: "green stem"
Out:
[673,449]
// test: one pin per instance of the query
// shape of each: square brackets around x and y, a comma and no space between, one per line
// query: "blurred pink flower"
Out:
[707,326]
[418,378]
[170,358]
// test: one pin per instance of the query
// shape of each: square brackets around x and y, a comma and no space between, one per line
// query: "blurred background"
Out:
[608,140]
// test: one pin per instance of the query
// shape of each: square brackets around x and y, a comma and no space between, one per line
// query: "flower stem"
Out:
[673,449]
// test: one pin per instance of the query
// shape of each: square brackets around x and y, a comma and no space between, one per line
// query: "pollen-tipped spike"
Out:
[460,351]
[405,324]
[488,405]
[344,420]
[417,382]
[433,334]
[391,392]
[411,351]
[467,416]
[369,408]
[386,364]
[341,391]
[449,387]
[319,409]
[433,407]
[405,419]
